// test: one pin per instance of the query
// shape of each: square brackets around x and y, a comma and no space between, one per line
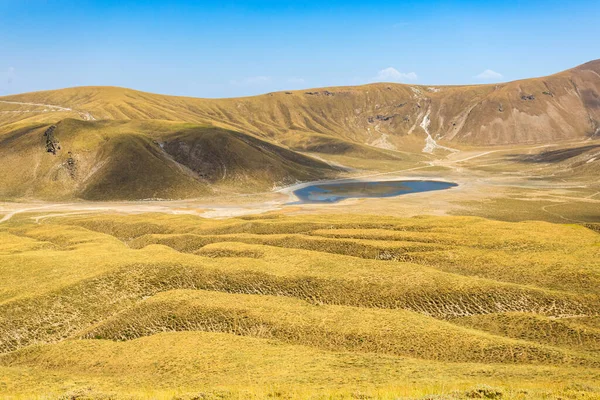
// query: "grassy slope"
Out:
[222,366]
[145,159]
[297,305]
[566,105]
[251,144]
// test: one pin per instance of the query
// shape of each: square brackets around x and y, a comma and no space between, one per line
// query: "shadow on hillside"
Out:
[553,156]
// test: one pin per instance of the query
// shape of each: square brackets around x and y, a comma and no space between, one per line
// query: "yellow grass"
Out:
[334,306]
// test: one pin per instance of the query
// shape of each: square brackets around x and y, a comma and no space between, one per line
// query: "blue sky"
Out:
[226,48]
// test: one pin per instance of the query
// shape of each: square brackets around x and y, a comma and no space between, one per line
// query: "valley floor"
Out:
[501,183]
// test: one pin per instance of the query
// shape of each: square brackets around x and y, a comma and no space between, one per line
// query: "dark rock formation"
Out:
[380,117]
[52,145]
[324,93]
[71,166]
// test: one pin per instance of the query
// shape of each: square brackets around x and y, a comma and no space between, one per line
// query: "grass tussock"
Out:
[349,302]
[564,332]
[173,364]
[329,327]
[533,253]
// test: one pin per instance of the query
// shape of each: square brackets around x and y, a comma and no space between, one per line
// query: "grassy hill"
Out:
[156,306]
[538,110]
[299,302]
[126,160]
[124,144]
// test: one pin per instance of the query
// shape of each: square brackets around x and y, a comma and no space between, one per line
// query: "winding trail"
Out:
[11,214]
[545,209]
[47,108]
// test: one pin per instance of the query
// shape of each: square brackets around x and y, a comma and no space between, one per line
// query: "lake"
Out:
[334,192]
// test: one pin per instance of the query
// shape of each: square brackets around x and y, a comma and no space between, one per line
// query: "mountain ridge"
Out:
[592,63]
[536,110]
[398,125]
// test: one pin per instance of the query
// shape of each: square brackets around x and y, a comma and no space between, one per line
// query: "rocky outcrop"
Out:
[71,166]
[527,97]
[380,117]
[323,93]
[52,145]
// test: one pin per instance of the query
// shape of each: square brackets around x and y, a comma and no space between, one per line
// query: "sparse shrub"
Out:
[361,396]
[439,397]
[85,394]
[195,396]
[212,395]
[582,387]
[221,253]
[484,392]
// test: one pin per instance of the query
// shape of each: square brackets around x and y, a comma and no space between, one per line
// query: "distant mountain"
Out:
[129,144]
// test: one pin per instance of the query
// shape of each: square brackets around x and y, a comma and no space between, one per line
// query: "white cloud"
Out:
[391,74]
[252,80]
[489,75]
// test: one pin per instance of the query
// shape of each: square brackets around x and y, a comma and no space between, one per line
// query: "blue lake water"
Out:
[334,192]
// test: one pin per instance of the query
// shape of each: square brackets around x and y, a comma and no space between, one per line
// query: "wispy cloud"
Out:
[250,81]
[489,75]
[391,74]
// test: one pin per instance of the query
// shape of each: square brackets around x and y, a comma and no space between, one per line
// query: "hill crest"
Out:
[537,110]
[381,122]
